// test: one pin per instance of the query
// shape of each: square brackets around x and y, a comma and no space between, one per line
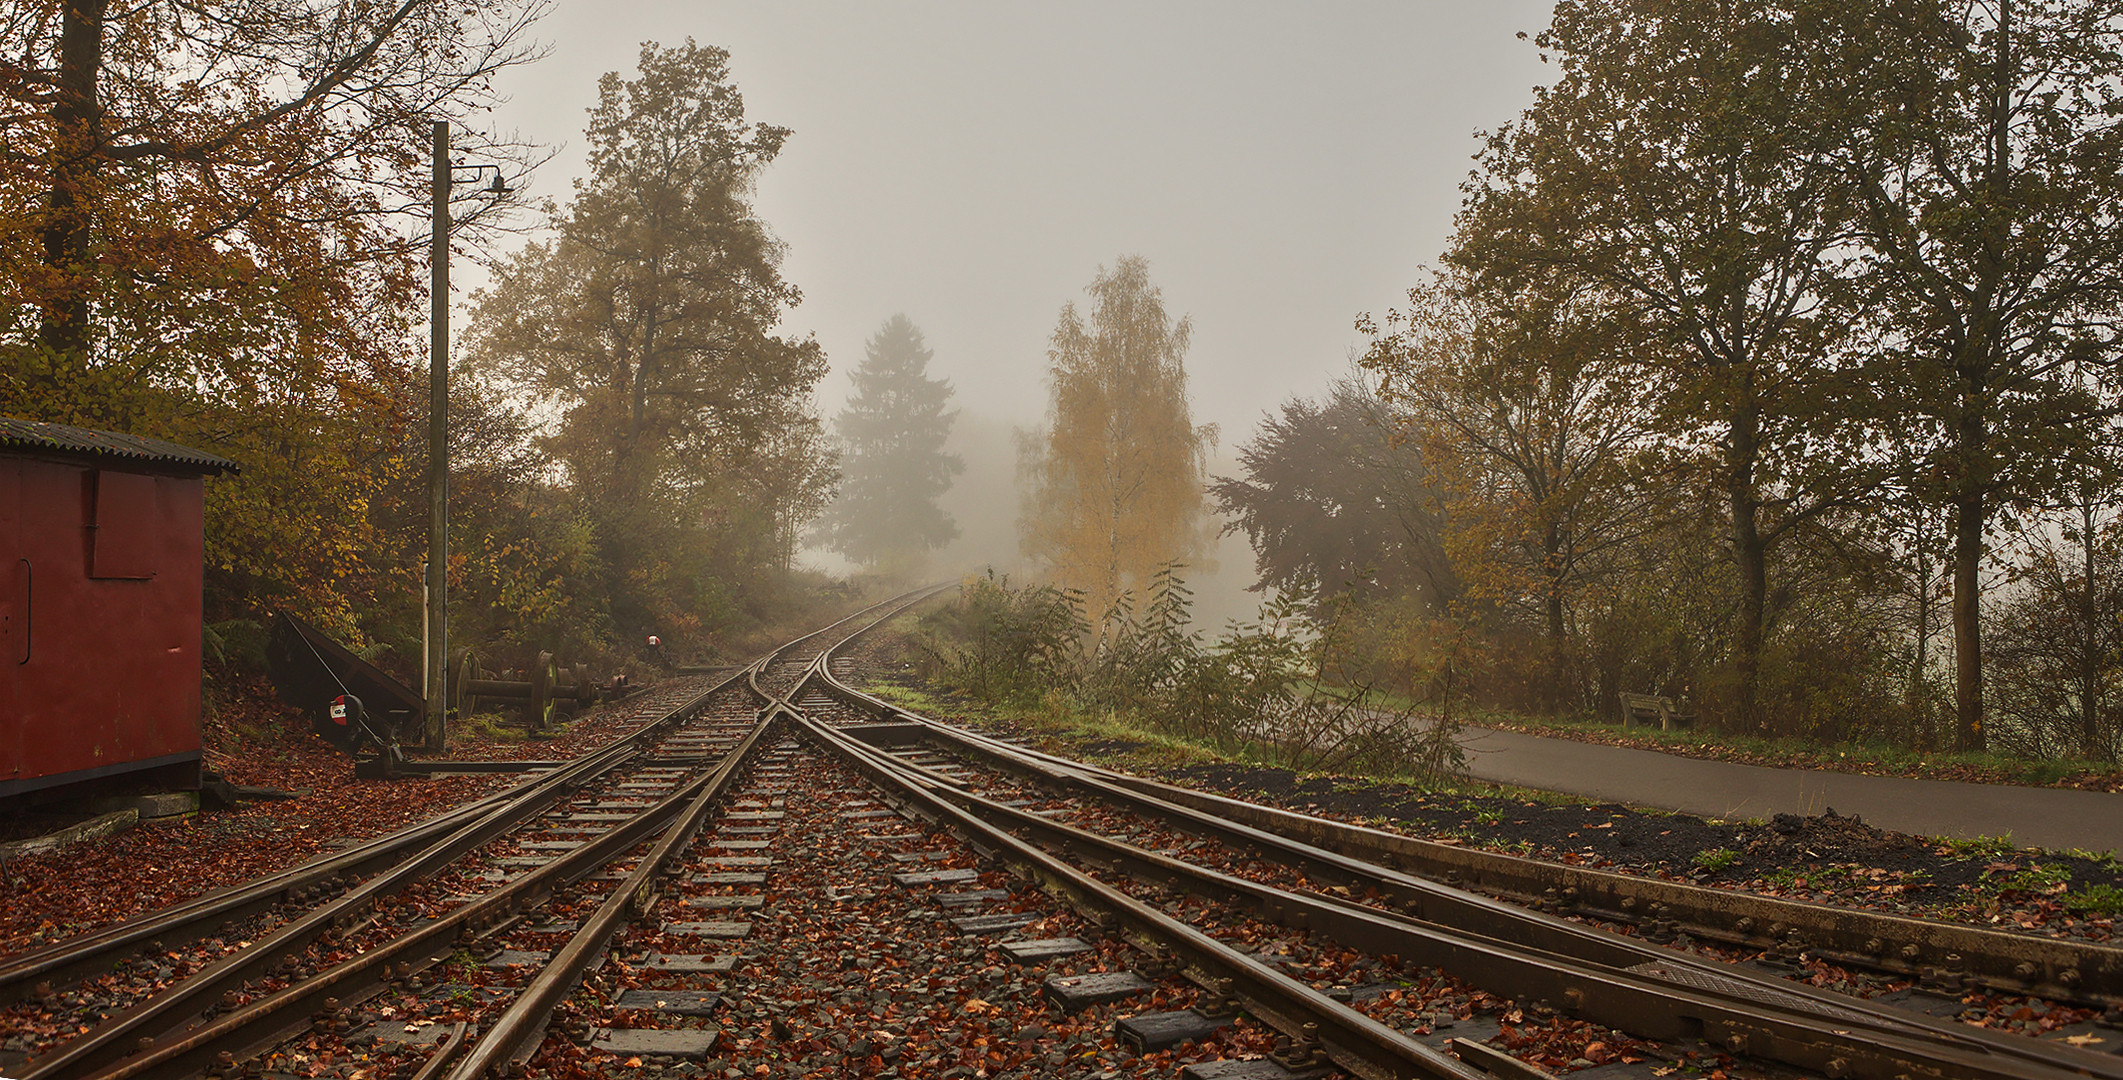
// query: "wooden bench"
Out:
[1649,707]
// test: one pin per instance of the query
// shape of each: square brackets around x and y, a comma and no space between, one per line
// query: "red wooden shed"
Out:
[101,559]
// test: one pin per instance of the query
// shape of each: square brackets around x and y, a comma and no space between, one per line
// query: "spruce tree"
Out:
[893,464]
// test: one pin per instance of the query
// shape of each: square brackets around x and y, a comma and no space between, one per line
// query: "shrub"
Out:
[1004,645]
[1284,686]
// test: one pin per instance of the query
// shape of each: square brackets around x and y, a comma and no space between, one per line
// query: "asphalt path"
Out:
[2032,817]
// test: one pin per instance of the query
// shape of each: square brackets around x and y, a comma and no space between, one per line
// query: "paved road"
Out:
[2033,817]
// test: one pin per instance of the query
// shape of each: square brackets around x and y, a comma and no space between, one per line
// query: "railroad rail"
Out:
[1532,955]
[516,1034]
[594,870]
[379,924]
[1947,956]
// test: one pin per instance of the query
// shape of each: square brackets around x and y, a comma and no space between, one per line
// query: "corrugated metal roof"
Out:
[37,435]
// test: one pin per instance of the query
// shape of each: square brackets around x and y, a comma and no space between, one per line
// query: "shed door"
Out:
[15,583]
[125,530]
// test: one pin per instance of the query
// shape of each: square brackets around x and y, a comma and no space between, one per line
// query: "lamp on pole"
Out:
[437,630]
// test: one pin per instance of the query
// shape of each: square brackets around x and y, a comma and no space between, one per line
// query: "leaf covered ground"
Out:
[252,739]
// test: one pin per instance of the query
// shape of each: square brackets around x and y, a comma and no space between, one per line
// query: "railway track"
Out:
[322,938]
[1630,981]
[1938,955]
[791,877]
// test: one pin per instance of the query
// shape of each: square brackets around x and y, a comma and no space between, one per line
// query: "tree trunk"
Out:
[2089,641]
[1558,667]
[76,143]
[1969,511]
[1750,559]
[1920,708]
[627,462]
[1971,429]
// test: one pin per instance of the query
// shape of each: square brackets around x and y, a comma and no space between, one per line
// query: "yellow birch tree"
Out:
[1114,484]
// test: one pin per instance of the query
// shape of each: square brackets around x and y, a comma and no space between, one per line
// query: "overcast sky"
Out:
[1283,167]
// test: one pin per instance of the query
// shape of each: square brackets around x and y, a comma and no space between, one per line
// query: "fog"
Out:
[1282,167]
[984,503]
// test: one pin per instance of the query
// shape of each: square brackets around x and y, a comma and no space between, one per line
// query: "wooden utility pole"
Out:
[438,616]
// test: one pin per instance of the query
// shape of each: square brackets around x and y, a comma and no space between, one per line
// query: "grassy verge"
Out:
[1104,736]
[1121,742]
[1870,759]
[1863,758]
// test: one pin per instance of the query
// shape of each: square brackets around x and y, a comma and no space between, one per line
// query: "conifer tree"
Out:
[1115,489]
[893,464]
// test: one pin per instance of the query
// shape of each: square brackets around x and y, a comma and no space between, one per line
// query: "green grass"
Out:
[1054,719]
[1982,847]
[1075,726]
[906,697]
[2106,860]
[1716,859]
[1864,757]
[2037,877]
[460,967]
[2095,900]
[489,725]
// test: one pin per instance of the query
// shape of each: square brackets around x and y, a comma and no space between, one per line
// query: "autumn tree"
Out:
[769,496]
[1986,186]
[893,464]
[1685,161]
[1331,498]
[203,204]
[1114,483]
[648,325]
[205,236]
[1528,409]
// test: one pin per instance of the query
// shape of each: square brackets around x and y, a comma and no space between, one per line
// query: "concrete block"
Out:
[675,1002]
[1148,1033]
[1071,993]
[626,1042]
[1026,952]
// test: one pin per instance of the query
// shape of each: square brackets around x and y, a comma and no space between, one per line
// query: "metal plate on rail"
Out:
[1771,996]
